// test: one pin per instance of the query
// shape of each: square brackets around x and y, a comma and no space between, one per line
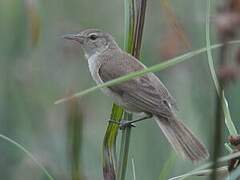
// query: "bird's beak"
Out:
[75,37]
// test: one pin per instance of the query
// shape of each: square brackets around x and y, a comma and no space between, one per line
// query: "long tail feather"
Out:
[182,139]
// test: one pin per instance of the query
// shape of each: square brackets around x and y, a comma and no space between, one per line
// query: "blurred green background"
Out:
[38,67]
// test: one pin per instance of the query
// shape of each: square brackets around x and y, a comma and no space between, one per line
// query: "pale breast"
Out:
[94,65]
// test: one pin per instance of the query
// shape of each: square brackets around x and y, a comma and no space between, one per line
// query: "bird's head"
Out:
[93,41]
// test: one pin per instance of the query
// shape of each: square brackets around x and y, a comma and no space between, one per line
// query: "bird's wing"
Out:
[141,93]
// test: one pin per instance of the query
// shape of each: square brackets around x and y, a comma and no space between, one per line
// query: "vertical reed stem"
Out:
[219,115]
[134,22]
[124,149]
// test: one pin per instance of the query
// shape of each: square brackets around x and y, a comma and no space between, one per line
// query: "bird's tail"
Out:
[182,139]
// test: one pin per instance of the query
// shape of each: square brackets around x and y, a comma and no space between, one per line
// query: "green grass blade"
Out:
[223,159]
[228,120]
[134,16]
[133,169]
[28,153]
[129,24]
[124,149]
[154,68]
[74,138]
[205,172]
[208,46]
[168,165]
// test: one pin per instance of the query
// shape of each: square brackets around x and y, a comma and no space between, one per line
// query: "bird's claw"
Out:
[123,124]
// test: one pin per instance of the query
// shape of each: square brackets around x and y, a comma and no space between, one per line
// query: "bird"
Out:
[145,94]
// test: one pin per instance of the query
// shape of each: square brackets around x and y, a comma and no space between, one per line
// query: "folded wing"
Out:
[143,93]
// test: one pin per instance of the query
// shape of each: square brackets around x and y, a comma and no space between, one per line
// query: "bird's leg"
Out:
[148,116]
[123,123]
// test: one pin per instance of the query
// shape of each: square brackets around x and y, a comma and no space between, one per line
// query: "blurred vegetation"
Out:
[37,67]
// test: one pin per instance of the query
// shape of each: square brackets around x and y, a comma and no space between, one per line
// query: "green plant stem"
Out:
[134,22]
[74,137]
[228,120]
[109,144]
[129,6]
[218,115]
[217,132]
[221,102]
[124,149]
[110,169]
[141,11]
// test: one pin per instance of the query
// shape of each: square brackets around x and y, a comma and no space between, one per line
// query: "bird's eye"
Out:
[93,37]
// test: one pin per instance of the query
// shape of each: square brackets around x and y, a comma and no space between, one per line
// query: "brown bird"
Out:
[143,94]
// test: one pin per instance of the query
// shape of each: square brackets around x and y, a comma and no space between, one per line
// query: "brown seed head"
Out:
[227,73]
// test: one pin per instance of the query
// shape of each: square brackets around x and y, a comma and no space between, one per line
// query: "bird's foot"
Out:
[123,124]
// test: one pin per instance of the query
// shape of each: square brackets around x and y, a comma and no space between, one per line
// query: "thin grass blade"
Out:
[132,45]
[155,68]
[167,167]
[74,138]
[29,154]
[222,171]
[133,169]
[221,160]
[228,120]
